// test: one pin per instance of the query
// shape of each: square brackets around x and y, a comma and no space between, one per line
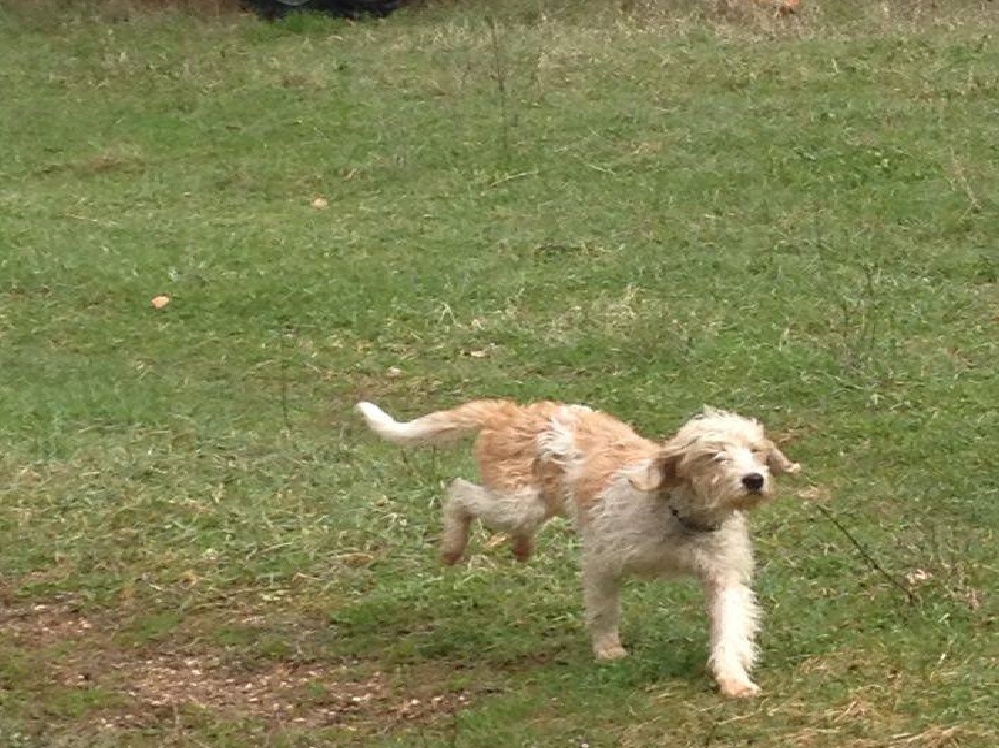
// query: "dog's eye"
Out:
[720,458]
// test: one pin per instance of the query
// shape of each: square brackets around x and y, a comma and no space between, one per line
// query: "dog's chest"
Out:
[639,535]
[660,551]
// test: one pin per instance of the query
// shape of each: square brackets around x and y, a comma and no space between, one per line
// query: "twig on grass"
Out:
[284,390]
[871,561]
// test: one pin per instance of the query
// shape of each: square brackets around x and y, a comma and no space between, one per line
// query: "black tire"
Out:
[275,9]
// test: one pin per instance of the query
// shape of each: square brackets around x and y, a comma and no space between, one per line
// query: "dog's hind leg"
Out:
[457,523]
[520,513]
[601,600]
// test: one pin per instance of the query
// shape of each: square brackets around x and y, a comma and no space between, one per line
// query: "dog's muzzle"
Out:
[753,482]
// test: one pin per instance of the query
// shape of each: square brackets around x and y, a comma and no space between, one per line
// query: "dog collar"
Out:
[692,525]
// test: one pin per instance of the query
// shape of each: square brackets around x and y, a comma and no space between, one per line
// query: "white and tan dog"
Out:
[641,508]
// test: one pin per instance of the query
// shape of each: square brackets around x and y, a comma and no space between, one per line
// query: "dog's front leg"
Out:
[601,598]
[734,621]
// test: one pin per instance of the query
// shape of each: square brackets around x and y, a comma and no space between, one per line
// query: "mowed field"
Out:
[644,208]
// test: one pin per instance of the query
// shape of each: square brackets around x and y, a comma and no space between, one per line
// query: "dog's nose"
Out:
[753,481]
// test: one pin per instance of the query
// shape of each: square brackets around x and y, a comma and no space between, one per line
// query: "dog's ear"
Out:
[658,473]
[778,462]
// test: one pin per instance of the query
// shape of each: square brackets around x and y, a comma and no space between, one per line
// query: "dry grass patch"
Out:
[120,9]
[144,685]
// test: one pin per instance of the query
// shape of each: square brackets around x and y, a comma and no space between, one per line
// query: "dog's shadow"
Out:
[507,623]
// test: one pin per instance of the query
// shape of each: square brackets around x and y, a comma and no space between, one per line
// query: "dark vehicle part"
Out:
[274,9]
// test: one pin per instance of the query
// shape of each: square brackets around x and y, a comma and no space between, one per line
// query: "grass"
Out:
[643,209]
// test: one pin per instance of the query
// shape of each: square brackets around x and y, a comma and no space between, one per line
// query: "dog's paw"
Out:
[610,652]
[737,688]
[450,558]
[523,548]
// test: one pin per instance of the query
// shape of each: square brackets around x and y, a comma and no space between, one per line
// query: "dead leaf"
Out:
[917,576]
[972,599]
[189,578]
[495,541]
[393,371]
[357,559]
[815,493]
[320,202]
[159,302]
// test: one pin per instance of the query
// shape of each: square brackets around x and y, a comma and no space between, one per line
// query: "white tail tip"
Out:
[385,425]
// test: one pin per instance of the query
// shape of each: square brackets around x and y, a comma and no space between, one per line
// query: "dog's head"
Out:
[725,460]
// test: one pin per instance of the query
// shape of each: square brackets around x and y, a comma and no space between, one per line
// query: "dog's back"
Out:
[560,450]
[556,450]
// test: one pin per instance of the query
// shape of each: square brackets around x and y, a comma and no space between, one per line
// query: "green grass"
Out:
[643,210]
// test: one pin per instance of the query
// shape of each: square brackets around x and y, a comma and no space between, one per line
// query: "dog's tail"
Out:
[441,427]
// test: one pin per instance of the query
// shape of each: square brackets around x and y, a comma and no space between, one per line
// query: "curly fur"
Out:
[642,508]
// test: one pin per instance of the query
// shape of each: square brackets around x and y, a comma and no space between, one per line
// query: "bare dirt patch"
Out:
[39,625]
[311,695]
[156,682]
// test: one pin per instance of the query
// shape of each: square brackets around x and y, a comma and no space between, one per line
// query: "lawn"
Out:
[644,208]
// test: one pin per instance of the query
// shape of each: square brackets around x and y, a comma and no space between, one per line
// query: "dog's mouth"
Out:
[751,499]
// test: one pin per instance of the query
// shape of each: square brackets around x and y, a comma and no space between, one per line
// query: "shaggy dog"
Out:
[641,508]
